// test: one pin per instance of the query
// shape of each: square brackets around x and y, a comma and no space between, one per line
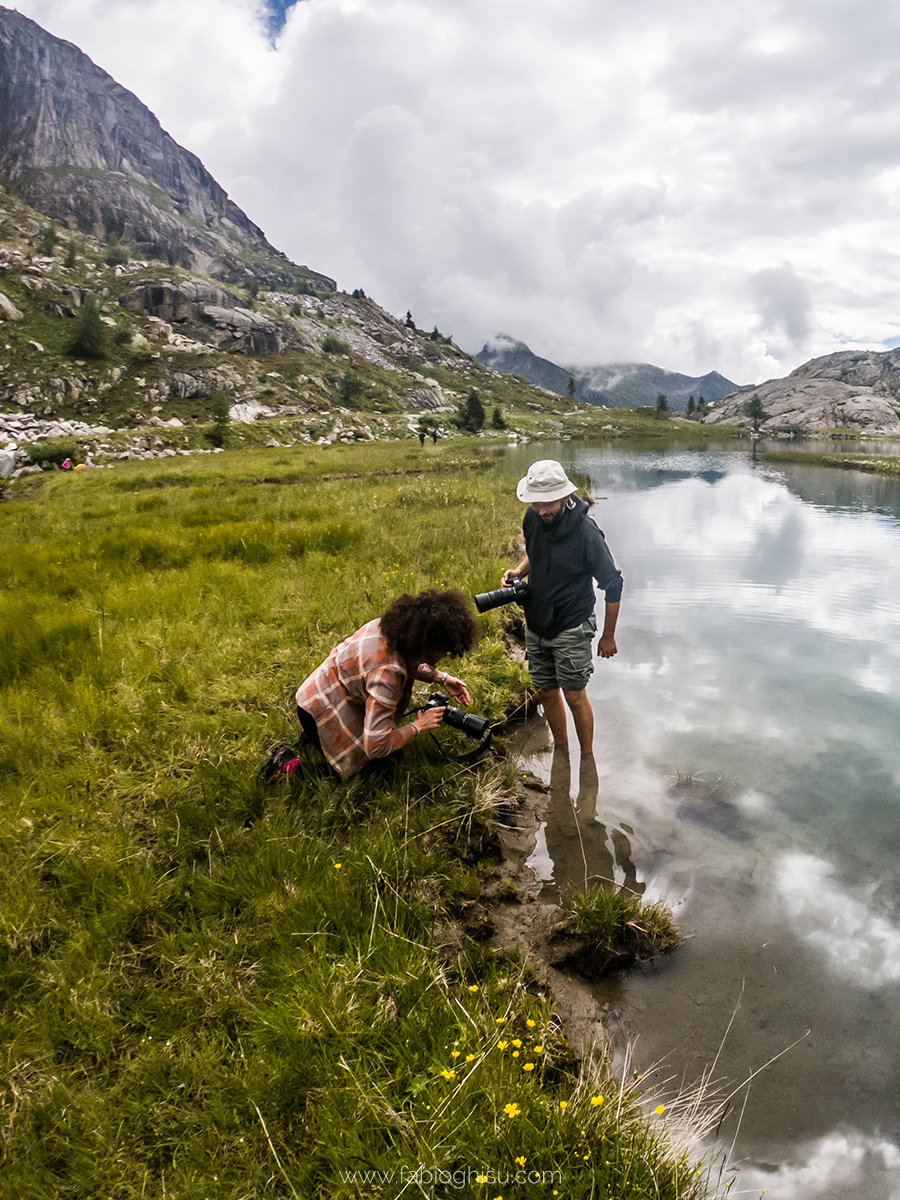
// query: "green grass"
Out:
[613,918]
[210,987]
[871,464]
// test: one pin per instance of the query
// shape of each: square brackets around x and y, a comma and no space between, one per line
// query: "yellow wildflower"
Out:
[448,1074]
[528,1066]
[539,1050]
[501,1020]
[520,1161]
[454,1054]
[473,987]
[596,1101]
[531,1024]
[660,1109]
[564,1104]
[515,1054]
[511,1110]
[502,1045]
[470,1058]
[337,866]
[517,1042]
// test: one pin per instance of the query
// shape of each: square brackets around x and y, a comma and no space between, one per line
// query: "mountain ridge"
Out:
[613,385]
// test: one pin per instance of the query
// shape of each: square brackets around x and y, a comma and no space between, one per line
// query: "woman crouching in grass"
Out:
[351,705]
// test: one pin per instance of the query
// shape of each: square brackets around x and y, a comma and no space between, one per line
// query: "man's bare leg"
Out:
[550,699]
[583,716]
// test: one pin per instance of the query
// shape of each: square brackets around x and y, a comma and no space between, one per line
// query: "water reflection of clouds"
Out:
[747,731]
[856,942]
[842,1164]
[709,569]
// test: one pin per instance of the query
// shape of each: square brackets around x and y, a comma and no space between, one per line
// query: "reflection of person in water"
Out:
[577,841]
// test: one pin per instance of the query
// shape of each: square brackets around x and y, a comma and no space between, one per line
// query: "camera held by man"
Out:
[515,591]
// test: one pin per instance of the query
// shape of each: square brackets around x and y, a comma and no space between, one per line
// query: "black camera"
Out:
[517,590]
[469,723]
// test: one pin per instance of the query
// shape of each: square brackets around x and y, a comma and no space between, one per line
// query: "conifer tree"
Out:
[89,339]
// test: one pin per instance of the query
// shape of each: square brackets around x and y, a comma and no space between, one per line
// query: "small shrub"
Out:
[56,451]
[47,240]
[351,387]
[117,254]
[71,254]
[334,345]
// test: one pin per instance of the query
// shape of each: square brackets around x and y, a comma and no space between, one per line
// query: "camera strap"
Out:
[472,756]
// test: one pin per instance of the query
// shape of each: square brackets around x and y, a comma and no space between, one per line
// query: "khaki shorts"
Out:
[565,661]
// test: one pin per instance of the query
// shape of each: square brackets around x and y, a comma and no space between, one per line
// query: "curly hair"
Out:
[430,625]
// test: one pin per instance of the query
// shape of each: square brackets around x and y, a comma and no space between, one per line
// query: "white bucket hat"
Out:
[545,482]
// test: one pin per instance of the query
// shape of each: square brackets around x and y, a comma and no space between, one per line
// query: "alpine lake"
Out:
[747,751]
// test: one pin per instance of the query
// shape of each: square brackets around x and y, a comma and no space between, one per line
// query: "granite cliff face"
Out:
[853,390]
[83,150]
[615,385]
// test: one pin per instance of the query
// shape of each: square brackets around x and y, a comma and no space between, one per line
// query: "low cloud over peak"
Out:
[703,186]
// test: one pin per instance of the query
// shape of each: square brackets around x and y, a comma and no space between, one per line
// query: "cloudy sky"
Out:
[701,184]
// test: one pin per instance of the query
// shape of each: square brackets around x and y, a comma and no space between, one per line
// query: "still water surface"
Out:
[748,770]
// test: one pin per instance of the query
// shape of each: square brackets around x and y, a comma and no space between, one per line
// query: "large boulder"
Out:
[213,311]
[427,399]
[853,390]
[9,310]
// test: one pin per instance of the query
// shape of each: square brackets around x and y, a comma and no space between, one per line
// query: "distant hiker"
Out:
[564,553]
[422,437]
[434,436]
[66,465]
[351,705]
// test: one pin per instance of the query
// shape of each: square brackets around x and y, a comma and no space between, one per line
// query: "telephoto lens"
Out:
[517,590]
[469,723]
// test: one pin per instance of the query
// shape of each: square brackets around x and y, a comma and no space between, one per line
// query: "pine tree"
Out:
[89,339]
[755,411]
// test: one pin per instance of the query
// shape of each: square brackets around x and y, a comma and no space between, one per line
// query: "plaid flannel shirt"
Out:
[353,698]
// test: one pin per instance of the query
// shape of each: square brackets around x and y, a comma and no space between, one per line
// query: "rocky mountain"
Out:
[853,390]
[616,385]
[84,151]
[102,360]
[188,332]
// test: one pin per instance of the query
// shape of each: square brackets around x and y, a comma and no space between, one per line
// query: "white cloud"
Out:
[859,944]
[840,1165]
[604,180]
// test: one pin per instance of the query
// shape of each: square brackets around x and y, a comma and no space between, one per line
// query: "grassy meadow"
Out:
[211,987]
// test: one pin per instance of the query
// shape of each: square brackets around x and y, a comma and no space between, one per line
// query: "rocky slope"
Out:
[616,385]
[853,390]
[289,367]
[82,150]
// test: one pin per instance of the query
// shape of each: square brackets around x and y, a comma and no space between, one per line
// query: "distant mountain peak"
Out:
[615,385]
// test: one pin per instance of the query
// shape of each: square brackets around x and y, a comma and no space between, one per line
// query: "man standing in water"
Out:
[564,553]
